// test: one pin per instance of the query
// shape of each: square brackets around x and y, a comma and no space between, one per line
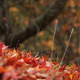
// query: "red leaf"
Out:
[11,60]
[19,63]
[1,46]
[27,60]
[55,63]
[62,68]
[34,62]
[2,69]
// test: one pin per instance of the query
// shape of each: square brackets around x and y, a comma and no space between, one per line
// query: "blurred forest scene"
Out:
[30,25]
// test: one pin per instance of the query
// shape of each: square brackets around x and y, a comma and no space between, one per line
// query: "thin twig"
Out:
[18,2]
[53,39]
[67,46]
[65,51]
[79,51]
[59,51]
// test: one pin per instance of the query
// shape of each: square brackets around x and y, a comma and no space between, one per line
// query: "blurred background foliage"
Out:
[23,12]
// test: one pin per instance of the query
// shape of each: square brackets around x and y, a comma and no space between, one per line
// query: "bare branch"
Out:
[18,2]
[42,22]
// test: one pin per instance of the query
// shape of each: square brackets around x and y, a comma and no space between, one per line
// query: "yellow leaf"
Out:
[13,9]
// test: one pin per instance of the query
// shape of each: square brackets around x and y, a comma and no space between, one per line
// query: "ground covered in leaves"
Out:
[17,65]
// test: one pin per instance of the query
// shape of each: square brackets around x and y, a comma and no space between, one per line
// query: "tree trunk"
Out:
[4,18]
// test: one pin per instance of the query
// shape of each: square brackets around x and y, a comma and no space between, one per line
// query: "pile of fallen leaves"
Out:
[17,65]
